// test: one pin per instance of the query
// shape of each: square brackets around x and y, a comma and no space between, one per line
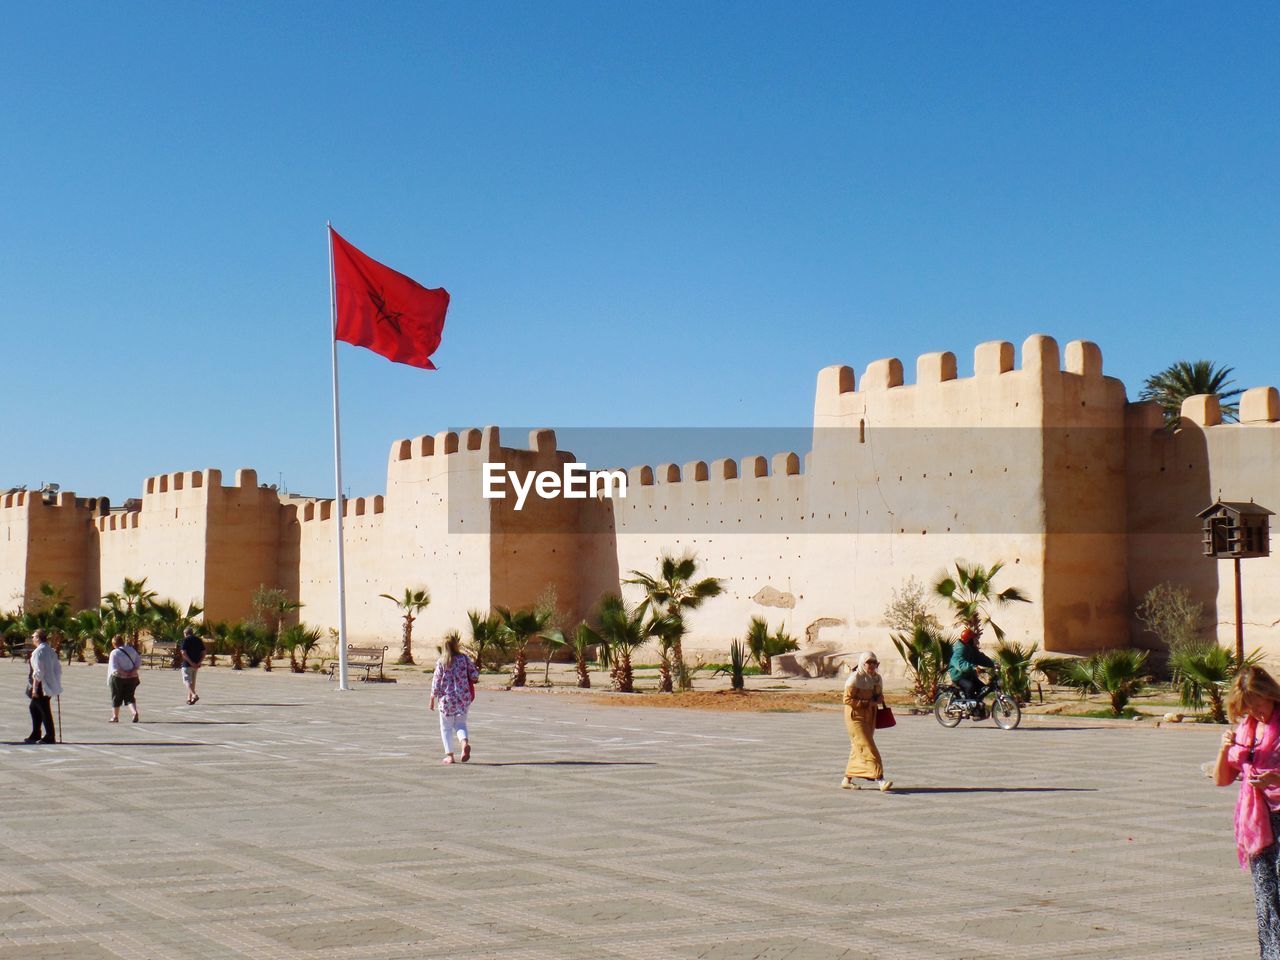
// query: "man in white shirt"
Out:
[45,682]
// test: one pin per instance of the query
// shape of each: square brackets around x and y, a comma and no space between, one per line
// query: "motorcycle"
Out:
[952,706]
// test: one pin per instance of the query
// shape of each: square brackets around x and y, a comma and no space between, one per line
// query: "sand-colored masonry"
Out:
[1036,460]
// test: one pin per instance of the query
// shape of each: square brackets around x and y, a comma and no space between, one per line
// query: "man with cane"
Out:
[43,683]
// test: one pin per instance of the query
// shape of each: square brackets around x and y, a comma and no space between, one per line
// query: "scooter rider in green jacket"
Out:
[966,658]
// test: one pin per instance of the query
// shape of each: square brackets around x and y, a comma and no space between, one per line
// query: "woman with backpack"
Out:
[453,686]
[122,678]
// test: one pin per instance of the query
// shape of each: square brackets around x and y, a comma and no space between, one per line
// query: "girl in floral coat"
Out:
[453,687]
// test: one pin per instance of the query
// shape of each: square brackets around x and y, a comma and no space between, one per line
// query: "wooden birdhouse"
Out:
[1233,530]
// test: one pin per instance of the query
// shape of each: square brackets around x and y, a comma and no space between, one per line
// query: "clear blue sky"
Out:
[647,214]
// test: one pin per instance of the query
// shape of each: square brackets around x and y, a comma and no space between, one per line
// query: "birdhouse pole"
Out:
[1235,530]
[1239,617]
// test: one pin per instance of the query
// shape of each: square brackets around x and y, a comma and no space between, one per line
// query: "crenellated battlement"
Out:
[208,479]
[65,500]
[716,472]
[446,443]
[119,520]
[19,498]
[321,511]
[1258,406]
[181,480]
[841,393]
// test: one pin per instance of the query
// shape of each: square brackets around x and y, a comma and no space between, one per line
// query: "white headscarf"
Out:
[862,678]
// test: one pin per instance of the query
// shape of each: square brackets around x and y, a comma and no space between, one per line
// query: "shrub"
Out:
[908,608]
[736,666]
[1056,670]
[927,655]
[1013,663]
[764,646]
[1205,670]
[488,647]
[1168,611]
[1120,674]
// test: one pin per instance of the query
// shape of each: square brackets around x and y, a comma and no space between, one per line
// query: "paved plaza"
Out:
[278,820]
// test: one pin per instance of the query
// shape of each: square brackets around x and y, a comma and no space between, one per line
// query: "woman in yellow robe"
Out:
[863,693]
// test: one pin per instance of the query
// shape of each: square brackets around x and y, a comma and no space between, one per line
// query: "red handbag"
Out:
[885,718]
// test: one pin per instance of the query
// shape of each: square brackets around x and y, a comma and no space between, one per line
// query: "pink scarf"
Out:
[1253,809]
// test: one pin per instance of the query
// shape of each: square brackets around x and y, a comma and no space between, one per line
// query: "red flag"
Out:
[384,310]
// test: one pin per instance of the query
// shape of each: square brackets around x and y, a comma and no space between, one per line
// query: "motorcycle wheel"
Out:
[941,708]
[1006,712]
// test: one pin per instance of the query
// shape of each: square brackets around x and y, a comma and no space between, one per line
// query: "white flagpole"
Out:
[337,474]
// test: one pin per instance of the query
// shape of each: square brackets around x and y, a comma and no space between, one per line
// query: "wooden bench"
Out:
[368,659]
[19,649]
[161,654]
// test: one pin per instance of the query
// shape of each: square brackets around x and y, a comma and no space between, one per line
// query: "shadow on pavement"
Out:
[563,763]
[221,704]
[993,789]
[1037,728]
[195,723]
[109,743]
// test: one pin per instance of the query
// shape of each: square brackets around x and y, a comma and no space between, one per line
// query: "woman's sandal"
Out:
[848,783]
[448,759]
[466,752]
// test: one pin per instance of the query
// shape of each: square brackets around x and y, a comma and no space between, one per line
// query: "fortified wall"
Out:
[903,480]
[1037,460]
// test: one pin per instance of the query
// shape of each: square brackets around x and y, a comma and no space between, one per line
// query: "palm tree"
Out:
[1206,670]
[77,630]
[412,603]
[668,631]
[485,636]
[271,608]
[673,590]
[50,611]
[299,637]
[1121,674]
[764,646]
[1013,662]
[229,639]
[521,626]
[926,653]
[581,641]
[1193,378]
[129,605]
[165,620]
[622,631]
[259,644]
[111,626]
[972,595]
[552,640]
[51,597]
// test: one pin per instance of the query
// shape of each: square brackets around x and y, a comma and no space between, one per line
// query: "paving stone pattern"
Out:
[278,819]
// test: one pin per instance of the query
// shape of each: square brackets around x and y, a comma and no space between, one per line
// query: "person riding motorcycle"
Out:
[966,658]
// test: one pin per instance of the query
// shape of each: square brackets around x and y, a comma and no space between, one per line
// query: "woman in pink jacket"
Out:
[1251,754]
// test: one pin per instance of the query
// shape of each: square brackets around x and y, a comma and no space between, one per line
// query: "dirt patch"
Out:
[760,701]
[752,700]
